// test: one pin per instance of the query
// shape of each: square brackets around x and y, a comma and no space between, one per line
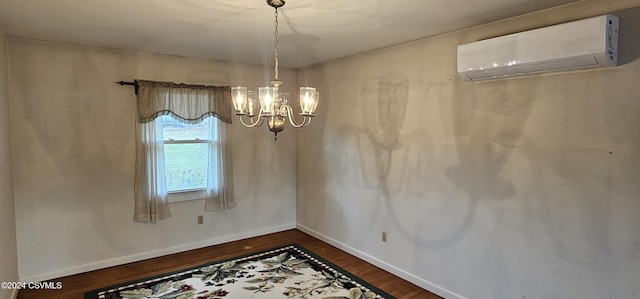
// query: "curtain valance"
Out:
[187,102]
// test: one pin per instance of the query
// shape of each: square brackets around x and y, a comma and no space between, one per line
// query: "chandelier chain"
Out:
[275,43]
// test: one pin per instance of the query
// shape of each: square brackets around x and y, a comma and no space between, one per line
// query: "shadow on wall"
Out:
[385,156]
[367,149]
[385,101]
[382,158]
[487,123]
[482,122]
[628,44]
[487,120]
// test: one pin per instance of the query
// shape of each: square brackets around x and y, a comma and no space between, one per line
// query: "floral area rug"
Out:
[289,272]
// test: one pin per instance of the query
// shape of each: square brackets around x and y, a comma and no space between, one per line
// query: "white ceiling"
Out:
[311,31]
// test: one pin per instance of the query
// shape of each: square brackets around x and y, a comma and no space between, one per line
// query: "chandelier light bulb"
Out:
[251,103]
[308,100]
[268,96]
[239,97]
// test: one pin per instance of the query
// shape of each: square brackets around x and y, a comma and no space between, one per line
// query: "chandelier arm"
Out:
[252,124]
[292,120]
[258,123]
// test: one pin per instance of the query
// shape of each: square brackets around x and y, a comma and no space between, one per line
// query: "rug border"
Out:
[352,276]
[93,294]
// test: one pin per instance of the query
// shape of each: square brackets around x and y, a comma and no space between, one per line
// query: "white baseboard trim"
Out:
[434,288]
[151,254]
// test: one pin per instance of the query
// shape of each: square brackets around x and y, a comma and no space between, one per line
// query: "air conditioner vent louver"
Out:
[588,43]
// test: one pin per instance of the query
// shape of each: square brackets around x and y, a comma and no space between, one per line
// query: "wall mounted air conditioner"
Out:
[588,43]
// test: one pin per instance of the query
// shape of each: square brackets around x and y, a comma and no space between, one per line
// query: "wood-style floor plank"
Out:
[75,286]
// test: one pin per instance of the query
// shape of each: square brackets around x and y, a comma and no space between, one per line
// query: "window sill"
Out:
[187,195]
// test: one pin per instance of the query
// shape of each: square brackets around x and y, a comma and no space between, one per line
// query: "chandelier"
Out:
[273,106]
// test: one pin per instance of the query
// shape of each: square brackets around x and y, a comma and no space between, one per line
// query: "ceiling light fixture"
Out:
[274,105]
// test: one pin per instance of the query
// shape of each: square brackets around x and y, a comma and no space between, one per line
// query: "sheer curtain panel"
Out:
[151,202]
[219,192]
[189,104]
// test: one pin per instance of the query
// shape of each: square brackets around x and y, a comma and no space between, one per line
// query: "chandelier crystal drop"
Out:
[273,106]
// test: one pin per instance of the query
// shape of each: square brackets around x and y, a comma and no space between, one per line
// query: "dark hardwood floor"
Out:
[75,286]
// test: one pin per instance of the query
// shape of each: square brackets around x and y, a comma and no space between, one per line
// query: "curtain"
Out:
[219,193]
[151,203]
[190,104]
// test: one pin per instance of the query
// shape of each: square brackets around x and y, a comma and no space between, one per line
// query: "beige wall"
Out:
[8,257]
[518,188]
[73,155]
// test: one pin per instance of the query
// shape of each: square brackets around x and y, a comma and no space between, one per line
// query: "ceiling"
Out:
[310,31]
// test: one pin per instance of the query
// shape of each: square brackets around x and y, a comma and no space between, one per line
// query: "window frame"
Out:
[186,194]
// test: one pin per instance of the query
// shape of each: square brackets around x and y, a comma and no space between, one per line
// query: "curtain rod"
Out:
[135,84]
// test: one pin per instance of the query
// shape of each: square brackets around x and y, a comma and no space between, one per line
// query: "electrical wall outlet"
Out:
[384,236]
[200,219]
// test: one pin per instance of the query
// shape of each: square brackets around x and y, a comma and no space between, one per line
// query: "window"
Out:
[177,161]
[186,157]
